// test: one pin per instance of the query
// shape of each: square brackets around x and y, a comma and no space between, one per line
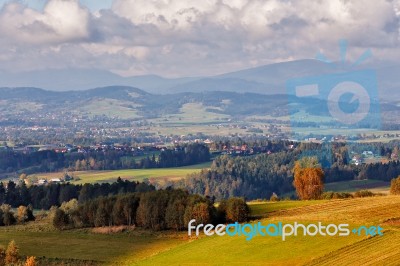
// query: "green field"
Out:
[192,113]
[155,174]
[140,247]
[110,108]
[123,248]
[376,186]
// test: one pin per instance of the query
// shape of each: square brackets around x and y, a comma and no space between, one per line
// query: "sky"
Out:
[176,38]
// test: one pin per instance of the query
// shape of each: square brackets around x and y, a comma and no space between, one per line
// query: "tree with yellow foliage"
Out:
[12,255]
[22,214]
[395,186]
[308,178]
[31,261]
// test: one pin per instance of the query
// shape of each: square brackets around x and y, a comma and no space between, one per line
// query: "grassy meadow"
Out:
[139,247]
[85,245]
[376,186]
[110,108]
[154,174]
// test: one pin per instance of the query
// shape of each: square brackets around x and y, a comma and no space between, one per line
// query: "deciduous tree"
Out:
[12,253]
[395,186]
[237,210]
[308,178]
[22,214]
[31,261]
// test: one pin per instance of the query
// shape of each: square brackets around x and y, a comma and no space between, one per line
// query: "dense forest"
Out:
[43,197]
[120,203]
[155,210]
[51,161]
[262,175]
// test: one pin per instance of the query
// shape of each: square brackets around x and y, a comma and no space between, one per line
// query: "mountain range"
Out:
[268,79]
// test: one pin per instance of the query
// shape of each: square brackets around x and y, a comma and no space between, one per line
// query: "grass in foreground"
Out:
[140,247]
[301,250]
[122,248]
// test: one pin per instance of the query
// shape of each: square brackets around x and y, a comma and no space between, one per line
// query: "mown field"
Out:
[140,247]
[159,174]
[350,250]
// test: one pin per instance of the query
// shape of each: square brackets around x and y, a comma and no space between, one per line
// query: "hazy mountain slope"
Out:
[268,79]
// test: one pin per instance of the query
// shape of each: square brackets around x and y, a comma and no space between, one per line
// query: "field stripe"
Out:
[378,250]
[356,211]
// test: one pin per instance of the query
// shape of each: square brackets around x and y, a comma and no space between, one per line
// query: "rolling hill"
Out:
[140,247]
[302,250]
[126,102]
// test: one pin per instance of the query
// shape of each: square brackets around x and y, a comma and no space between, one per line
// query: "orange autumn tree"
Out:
[308,178]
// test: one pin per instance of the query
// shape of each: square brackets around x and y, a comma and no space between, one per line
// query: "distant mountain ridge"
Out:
[268,79]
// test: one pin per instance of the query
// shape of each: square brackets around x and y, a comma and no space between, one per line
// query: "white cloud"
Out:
[164,13]
[174,37]
[67,18]
[61,20]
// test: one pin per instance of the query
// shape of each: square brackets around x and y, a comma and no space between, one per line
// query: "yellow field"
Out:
[318,250]
[141,247]
[372,251]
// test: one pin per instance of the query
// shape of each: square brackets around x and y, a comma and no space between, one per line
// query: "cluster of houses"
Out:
[244,150]
[42,182]
[103,147]
[358,159]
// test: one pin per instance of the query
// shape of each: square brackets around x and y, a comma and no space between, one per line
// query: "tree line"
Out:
[262,175]
[51,161]
[43,197]
[154,210]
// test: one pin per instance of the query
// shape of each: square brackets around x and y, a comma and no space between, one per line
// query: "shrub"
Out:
[274,197]
[2,256]
[31,261]
[343,195]
[60,219]
[12,253]
[363,193]
[221,211]
[237,210]
[8,216]
[327,195]
[395,186]
[22,214]
[336,195]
